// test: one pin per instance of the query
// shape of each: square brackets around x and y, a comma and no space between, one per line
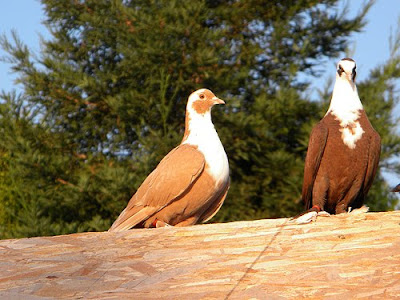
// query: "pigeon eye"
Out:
[202,96]
[354,74]
[340,70]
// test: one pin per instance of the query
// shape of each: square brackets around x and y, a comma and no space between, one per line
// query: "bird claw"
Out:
[306,218]
[361,210]
[310,217]
[162,224]
[323,213]
[157,224]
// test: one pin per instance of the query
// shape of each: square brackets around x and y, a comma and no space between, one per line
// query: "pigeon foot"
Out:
[311,215]
[157,224]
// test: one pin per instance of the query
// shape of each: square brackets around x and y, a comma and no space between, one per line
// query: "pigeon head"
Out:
[346,70]
[345,102]
[198,115]
[201,101]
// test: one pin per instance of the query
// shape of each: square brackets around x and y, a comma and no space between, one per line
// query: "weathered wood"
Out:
[338,257]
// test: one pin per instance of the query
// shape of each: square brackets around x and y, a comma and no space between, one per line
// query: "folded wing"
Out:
[173,176]
[316,147]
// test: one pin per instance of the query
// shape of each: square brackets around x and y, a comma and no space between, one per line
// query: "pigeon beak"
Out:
[218,101]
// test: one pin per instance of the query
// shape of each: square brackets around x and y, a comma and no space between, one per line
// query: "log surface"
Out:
[337,257]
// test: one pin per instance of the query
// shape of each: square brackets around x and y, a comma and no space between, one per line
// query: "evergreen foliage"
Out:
[105,100]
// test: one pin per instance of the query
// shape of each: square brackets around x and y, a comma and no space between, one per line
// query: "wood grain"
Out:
[338,257]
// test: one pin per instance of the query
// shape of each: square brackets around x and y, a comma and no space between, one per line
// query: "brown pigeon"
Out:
[343,151]
[190,183]
[396,188]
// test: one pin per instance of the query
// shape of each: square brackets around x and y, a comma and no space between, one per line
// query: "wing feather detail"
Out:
[173,176]
[215,207]
[373,161]
[316,147]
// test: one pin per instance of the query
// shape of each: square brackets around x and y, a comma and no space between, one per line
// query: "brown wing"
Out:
[316,147]
[214,208]
[374,154]
[172,177]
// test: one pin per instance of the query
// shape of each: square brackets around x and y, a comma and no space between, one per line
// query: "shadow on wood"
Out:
[343,256]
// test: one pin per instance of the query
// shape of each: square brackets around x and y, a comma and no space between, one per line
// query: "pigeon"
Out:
[396,188]
[343,151]
[190,183]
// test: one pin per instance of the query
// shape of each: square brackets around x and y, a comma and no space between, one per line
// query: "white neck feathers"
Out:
[346,107]
[199,127]
[200,132]
[345,102]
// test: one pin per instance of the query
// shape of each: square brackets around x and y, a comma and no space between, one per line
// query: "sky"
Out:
[370,47]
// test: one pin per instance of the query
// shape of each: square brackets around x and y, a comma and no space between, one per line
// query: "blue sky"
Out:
[369,48]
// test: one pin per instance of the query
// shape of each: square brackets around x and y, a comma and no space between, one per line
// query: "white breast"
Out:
[350,135]
[217,161]
[204,136]
[346,107]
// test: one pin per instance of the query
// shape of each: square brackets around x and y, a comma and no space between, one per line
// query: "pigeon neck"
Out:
[345,98]
[197,126]
[201,134]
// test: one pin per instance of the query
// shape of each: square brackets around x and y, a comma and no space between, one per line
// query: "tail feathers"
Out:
[129,219]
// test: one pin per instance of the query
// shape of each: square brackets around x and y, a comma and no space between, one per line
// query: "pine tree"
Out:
[105,99]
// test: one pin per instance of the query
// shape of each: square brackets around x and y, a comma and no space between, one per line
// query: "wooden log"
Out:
[338,257]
